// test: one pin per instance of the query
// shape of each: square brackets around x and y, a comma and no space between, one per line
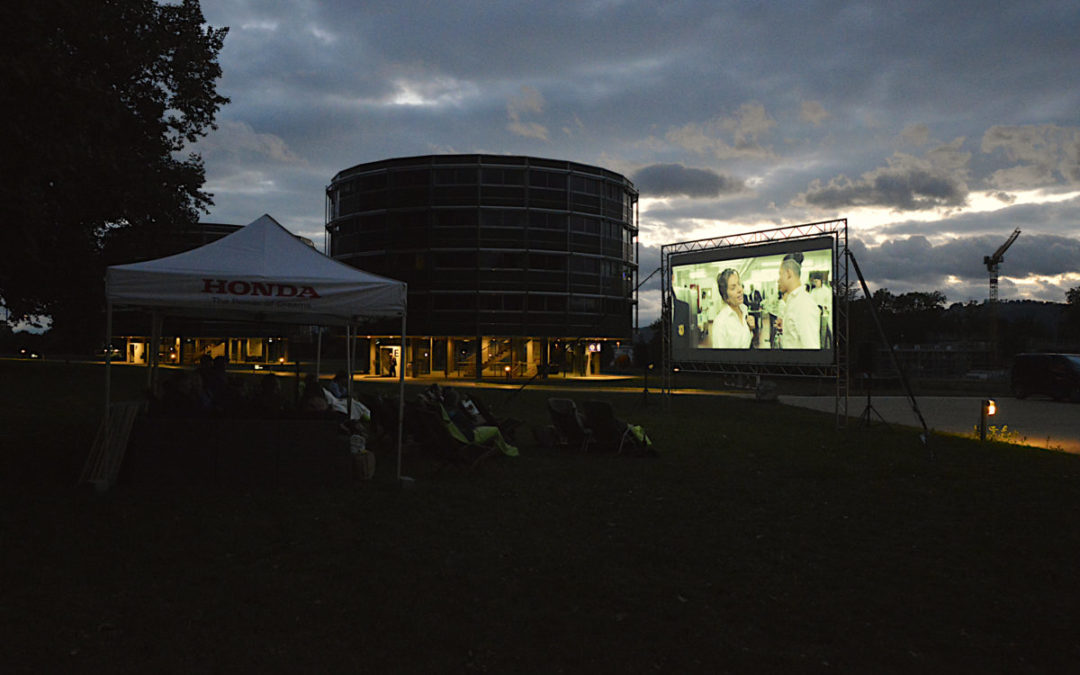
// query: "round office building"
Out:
[515,265]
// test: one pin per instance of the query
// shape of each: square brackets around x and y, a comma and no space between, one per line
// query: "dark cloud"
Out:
[1047,218]
[1044,154]
[672,180]
[903,189]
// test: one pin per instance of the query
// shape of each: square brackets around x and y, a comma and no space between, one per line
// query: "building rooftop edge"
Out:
[435,160]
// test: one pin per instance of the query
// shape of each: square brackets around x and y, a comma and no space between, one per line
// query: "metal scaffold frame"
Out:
[840,366]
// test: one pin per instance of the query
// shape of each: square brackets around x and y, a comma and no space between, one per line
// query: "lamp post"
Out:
[987,408]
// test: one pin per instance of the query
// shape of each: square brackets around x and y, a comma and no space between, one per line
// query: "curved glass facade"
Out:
[493,245]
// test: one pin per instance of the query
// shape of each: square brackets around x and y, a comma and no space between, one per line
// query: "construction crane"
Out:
[992,262]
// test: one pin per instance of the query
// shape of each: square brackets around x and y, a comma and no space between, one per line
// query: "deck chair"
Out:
[438,433]
[612,433]
[507,425]
[608,432]
[570,429]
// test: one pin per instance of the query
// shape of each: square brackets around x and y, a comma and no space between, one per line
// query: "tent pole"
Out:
[318,352]
[152,357]
[401,397]
[349,368]
[108,365]
[350,346]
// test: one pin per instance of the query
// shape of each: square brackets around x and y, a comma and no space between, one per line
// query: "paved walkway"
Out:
[1040,422]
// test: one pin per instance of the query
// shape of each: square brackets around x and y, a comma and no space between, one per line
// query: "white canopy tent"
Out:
[263,273]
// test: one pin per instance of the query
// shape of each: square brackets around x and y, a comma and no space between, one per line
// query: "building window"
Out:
[547,179]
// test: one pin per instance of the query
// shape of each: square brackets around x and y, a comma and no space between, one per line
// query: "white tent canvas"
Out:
[260,272]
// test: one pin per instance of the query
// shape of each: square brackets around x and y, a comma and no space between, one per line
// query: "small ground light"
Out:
[987,408]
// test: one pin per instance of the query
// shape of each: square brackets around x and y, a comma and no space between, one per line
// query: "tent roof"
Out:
[260,272]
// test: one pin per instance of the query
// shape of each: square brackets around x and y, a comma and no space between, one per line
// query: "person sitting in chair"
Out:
[313,400]
[320,402]
[457,420]
[269,401]
[339,386]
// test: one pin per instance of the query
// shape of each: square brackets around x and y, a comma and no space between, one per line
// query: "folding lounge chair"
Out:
[569,426]
[440,434]
[608,432]
[507,425]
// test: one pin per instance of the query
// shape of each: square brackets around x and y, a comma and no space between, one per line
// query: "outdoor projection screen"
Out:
[785,314]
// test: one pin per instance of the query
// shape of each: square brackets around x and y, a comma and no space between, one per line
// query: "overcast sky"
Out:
[935,128]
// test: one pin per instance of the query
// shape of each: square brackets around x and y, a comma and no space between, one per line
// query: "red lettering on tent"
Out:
[240,287]
[213,286]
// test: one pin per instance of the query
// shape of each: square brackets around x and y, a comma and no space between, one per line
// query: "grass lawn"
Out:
[759,540]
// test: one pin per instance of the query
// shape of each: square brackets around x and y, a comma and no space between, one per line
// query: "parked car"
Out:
[1054,375]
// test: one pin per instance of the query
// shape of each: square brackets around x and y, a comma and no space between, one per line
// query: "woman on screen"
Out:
[800,317]
[732,328]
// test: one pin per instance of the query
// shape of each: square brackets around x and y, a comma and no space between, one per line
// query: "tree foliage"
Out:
[907,317]
[102,98]
[1071,315]
[908,303]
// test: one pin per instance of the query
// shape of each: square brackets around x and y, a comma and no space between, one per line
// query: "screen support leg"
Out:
[925,436]
[866,419]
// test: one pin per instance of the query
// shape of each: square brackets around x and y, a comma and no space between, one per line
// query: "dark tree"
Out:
[907,303]
[1070,317]
[101,100]
[883,300]
[905,318]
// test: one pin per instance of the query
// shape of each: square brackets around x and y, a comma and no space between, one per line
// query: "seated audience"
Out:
[339,386]
[313,399]
[183,395]
[269,401]
[465,424]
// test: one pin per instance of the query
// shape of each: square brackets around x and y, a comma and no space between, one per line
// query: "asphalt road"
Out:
[1039,421]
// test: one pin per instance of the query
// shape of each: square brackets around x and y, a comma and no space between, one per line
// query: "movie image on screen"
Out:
[770,303]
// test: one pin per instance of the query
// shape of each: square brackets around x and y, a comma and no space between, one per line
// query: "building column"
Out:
[482,346]
[449,364]
[544,358]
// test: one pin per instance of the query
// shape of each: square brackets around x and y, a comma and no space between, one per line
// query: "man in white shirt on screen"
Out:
[800,320]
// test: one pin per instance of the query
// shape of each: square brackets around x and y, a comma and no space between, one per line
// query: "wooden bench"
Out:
[110,445]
